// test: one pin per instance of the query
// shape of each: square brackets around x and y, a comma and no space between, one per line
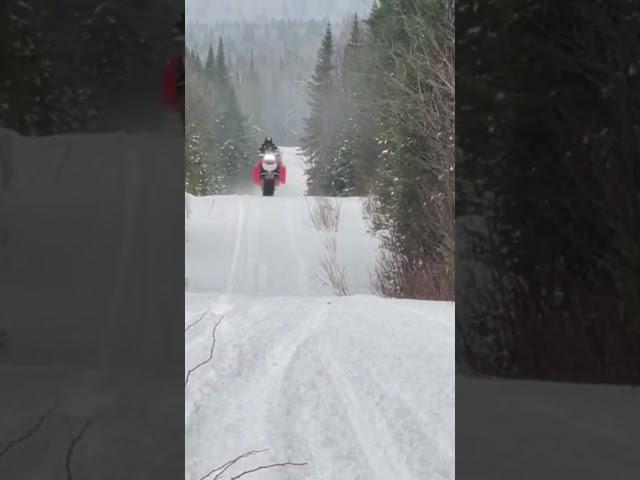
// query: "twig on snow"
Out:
[36,426]
[265,467]
[197,321]
[209,358]
[72,446]
[223,468]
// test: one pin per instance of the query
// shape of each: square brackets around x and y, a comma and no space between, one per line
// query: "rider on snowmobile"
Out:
[269,146]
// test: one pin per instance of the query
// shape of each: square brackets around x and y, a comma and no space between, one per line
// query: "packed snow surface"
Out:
[350,387]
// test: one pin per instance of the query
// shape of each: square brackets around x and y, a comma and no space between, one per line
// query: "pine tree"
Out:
[229,139]
[320,131]
[210,65]
[222,76]
[200,165]
[352,54]
[346,163]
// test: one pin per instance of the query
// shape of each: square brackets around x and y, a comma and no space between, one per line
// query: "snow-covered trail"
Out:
[268,246]
[352,386]
[355,387]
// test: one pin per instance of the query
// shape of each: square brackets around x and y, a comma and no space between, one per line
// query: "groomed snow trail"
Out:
[356,387]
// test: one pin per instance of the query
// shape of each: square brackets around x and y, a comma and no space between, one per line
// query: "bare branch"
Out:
[265,467]
[209,358]
[72,446]
[334,274]
[223,468]
[325,214]
[36,426]
[189,327]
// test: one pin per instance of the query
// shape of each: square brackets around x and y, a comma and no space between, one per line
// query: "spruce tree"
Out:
[210,65]
[344,179]
[222,76]
[320,131]
[229,138]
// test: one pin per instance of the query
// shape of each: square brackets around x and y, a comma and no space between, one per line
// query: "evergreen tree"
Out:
[320,132]
[352,54]
[222,77]
[200,165]
[210,65]
[344,172]
[229,144]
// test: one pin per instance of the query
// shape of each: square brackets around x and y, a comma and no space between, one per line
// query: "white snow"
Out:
[357,387]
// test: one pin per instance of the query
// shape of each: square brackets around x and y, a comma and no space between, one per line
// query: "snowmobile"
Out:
[269,172]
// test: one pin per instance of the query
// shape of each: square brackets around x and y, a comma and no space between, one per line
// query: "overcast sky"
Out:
[222,10]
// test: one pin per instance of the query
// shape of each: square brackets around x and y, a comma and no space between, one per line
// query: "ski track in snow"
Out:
[359,387]
[236,249]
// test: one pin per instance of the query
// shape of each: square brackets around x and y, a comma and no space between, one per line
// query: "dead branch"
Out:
[209,358]
[334,274]
[31,431]
[223,468]
[265,467]
[190,326]
[325,215]
[72,446]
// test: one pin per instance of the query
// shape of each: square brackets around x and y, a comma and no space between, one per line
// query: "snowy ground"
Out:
[354,387]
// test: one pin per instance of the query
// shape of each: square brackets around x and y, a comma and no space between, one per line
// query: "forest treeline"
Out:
[381,125]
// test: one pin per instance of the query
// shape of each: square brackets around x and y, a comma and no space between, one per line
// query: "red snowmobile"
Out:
[269,172]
